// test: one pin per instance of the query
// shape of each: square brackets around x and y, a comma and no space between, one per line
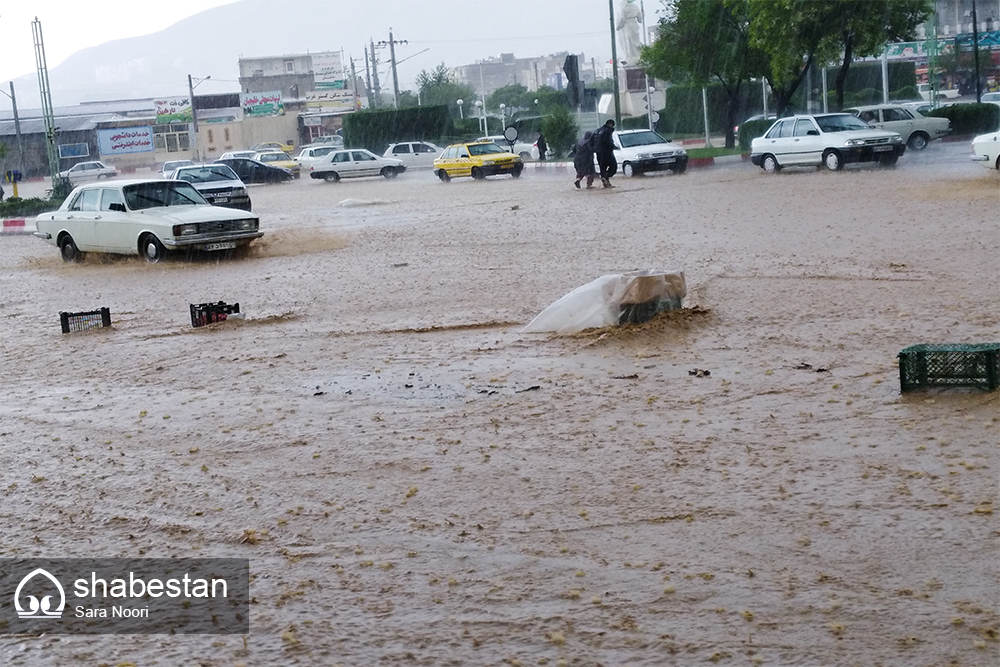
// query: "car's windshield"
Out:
[643,138]
[840,122]
[218,172]
[484,149]
[161,193]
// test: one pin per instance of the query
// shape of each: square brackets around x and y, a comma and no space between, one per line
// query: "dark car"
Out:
[253,171]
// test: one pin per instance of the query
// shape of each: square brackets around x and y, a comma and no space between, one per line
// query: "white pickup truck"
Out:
[942,93]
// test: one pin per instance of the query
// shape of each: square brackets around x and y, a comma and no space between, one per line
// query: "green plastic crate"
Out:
[950,365]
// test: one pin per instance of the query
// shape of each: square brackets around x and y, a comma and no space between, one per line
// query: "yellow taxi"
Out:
[477,159]
[279,159]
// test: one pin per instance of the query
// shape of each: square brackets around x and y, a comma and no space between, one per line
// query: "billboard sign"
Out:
[330,100]
[328,71]
[174,110]
[121,140]
[262,104]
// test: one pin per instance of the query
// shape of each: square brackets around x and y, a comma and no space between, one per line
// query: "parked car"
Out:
[641,151]
[253,171]
[309,155]
[171,165]
[942,93]
[88,171]
[273,146]
[990,97]
[354,163]
[986,149]
[279,159]
[832,139]
[915,128]
[334,140]
[414,154]
[527,151]
[477,159]
[235,154]
[759,116]
[920,107]
[143,217]
[217,183]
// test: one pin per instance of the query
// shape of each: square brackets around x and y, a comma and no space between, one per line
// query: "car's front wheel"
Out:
[918,141]
[832,160]
[67,248]
[525,155]
[443,175]
[517,171]
[151,248]
[629,170]
[331,177]
[389,172]
[770,164]
[477,174]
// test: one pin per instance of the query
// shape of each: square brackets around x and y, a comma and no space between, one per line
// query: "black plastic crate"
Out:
[950,365]
[208,313]
[94,319]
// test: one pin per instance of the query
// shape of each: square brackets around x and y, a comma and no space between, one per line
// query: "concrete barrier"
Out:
[13,226]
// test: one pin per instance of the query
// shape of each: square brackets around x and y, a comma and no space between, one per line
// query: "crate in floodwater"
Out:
[93,319]
[950,365]
[208,313]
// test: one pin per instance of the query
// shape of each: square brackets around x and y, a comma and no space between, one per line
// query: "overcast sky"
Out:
[71,25]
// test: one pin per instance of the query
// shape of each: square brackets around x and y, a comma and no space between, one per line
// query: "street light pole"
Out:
[461,109]
[17,131]
[614,64]
[194,117]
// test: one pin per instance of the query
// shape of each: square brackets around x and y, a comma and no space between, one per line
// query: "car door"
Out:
[365,164]
[112,229]
[808,141]
[896,120]
[79,219]
[424,154]
[778,141]
[405,153]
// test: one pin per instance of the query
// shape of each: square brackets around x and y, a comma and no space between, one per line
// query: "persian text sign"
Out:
[330,100]
[262,104]
[125,140]
[328,70]
[205,596]
[175,110]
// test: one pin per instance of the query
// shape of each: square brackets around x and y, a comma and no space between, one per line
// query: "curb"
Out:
[14,226]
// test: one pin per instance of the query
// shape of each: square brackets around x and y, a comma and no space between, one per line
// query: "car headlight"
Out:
[185,230]
[249,224]
[643,156]
[488,163]
[896,140]
[855,142]
[239,192]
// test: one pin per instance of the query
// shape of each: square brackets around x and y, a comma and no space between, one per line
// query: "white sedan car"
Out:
[915,128]
[414,154]
[353,163]
[986,149]
[833,140]
[143,217]
[82,172]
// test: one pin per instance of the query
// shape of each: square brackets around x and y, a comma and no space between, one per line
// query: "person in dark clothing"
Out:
[583,160]
[604,147]
[543,147]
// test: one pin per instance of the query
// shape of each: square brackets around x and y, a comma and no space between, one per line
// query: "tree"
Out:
[702,41]
[515,96]
[866,26]
[439,87]
[560,129]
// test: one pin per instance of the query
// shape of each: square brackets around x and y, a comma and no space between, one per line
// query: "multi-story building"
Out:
[488,75]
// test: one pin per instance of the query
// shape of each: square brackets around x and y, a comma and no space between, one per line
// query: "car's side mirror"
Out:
[116,207]
[813,133]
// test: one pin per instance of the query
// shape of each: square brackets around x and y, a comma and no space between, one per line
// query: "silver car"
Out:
[830,140]
[93,170]
[217,183]
[915,128]
[414,154]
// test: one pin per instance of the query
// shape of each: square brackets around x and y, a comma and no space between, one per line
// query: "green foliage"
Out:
[515,96]
[375,129]
[16,207]
[970,118]
[751,130]
[560,130]
[438,88]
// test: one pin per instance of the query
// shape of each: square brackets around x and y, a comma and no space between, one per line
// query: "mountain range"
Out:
[427,32]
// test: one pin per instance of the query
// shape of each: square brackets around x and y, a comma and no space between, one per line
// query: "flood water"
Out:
[416,482]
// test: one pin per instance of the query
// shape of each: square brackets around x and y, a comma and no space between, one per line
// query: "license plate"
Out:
[881,149]
[221,200]
[225,245]
[666,160]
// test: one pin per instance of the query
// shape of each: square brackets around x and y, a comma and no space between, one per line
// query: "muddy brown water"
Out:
[416,482]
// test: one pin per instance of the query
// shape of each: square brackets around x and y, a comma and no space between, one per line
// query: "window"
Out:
[341,157]
[869,116]
[109,197]
[361,156]
[289,67]
[463,152]
[211,137]
[896,114]
[225,133]
[782,129]
[802,127]
[90,199]
[400,149]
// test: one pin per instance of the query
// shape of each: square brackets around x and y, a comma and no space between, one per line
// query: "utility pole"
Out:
[17,131]
[194,121]
[392,56]
[354,81]
[47,111]
[975,49]
[368,79]
[378,90]
[614,65]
